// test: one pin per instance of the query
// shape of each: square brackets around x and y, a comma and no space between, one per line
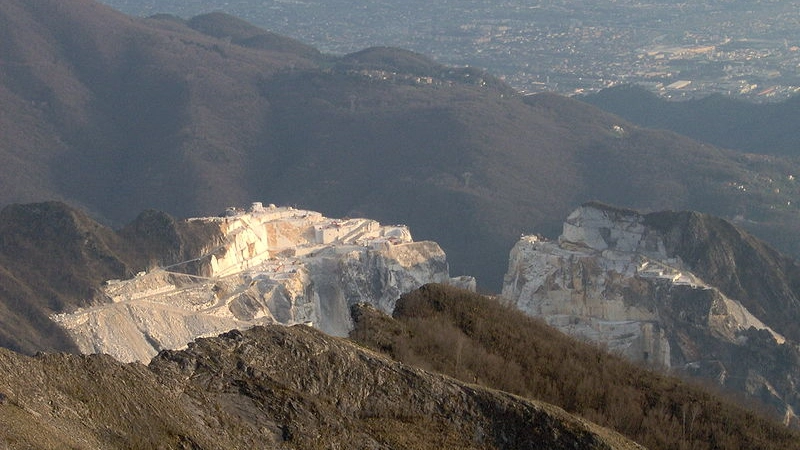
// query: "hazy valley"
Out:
[678,50]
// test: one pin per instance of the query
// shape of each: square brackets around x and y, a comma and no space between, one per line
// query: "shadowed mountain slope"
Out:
[768,128]
[239,32]
[119,115]
[277,387]
[54,258]
[741,266]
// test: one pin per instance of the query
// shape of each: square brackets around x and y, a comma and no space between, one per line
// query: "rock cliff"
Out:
[265,265]
[617,277]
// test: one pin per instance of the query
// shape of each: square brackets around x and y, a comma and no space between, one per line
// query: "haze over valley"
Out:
[747,49]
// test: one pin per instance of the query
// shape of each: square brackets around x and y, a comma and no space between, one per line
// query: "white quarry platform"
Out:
[274,265]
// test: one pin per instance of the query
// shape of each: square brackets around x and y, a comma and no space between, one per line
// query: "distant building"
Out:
[680,84]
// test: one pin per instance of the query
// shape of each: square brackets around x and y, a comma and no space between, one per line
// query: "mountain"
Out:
[484,341]
[116,115]
[763,128]
[269,387]
[679,291]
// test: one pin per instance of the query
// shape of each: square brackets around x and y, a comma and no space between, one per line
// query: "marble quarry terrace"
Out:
[272,265]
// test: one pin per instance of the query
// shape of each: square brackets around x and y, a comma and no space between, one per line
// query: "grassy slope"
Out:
[476,339]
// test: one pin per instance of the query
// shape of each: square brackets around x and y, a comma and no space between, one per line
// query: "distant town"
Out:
[679,50]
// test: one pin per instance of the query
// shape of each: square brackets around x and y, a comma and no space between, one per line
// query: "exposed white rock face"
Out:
[612,229]
[609,280]
[275,265]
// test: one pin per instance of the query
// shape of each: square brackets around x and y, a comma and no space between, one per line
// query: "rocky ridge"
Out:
[615,278]
[269,387]
[270,265]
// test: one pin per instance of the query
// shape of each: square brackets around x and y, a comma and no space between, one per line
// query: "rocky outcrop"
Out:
[615,278]
[270,265]
[271,387]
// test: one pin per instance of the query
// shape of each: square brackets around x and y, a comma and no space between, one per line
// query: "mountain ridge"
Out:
[167,233]
[129,115]
[284,387]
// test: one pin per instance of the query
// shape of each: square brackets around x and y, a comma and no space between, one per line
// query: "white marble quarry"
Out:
[597,283]
[275,265]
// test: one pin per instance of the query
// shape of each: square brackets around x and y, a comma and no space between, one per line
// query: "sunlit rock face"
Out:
[273,265]
[609,279]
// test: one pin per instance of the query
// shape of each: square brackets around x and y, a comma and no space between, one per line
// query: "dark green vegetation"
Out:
[54,258]
[278,388]
[766,129]
[477,339]
[118,115]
